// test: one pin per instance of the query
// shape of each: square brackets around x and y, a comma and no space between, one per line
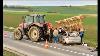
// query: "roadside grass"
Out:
[6,29]
[7,53]
[12,19]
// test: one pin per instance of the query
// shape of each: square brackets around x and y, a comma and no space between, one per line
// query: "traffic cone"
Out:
[46,44]
[55,46]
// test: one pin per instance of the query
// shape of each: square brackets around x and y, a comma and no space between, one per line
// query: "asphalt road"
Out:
[30,48]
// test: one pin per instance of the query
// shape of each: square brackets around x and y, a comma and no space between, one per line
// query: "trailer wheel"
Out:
[18,34]
[34,33]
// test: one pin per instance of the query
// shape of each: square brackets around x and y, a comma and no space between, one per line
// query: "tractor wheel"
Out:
[18,34]
[34,33]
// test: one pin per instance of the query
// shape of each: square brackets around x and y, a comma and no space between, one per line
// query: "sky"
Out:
[50,2]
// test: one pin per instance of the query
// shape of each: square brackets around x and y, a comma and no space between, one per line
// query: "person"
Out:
[50,31]
[81,33]
[55,35]
[61,31]
[51,35]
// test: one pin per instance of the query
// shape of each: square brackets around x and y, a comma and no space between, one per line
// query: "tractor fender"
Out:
[38,24]
[35,24]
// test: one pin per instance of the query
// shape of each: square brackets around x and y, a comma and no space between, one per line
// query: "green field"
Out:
[90,23]
[88,9]
[7,53]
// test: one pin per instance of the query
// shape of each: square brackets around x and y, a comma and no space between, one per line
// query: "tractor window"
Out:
[29,19]
[36,19]
[41,19]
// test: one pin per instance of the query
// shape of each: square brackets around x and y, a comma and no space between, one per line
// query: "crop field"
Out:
[88,9]
[90,23]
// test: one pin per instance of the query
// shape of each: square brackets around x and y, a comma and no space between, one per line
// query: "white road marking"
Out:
[75,52]
[67,50]
[79,53]
[50,46]
[55,47]
[59,48]
[42,44]
[87,54]
[38,43]
[63,49]
[71,51]
[91,55]
[83,53]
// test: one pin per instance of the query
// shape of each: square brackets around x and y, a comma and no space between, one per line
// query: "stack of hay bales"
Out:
[71,24]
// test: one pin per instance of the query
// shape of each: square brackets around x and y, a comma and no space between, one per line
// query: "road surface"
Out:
[29,48]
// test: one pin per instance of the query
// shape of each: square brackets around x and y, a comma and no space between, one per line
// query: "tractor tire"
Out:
[18,34]
[34,34]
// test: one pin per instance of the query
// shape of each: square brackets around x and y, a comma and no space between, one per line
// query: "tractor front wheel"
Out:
[18,34]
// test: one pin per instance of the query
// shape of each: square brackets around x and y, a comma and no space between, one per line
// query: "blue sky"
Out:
[50,2]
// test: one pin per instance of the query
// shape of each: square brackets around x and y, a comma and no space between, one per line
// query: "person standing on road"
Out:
[50,31]
[55,35]
[51,35]
[81,33]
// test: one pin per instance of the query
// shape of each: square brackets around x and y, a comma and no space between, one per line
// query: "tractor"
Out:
[36,28]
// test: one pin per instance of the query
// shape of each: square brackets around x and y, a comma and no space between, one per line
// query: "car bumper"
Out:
[72,40]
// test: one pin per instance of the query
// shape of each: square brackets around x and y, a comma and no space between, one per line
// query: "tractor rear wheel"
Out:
[18,34]
[34,33]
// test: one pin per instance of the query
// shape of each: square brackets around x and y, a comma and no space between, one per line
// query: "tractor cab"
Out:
[34,18]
